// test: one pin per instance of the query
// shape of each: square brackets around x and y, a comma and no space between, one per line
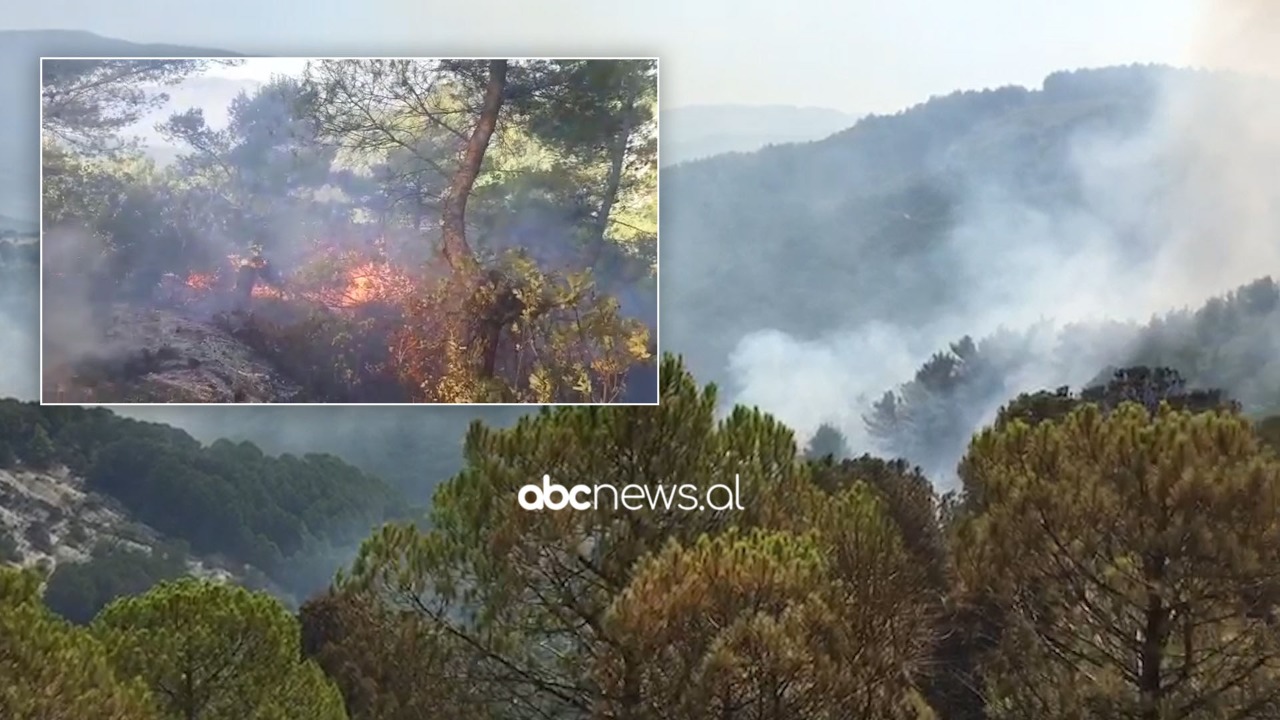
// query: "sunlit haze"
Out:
[261,69]
[964,402]
[855,56]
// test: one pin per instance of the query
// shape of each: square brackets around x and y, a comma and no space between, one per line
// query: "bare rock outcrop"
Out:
[161,356]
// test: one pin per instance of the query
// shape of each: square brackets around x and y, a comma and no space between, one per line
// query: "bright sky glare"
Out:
[262,69]
[852,55]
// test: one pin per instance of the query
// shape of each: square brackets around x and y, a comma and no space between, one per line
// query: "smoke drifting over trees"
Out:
[1047,226]
[1058,305]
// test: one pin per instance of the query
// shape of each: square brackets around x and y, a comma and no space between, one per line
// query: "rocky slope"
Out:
[159,356]
[49,518]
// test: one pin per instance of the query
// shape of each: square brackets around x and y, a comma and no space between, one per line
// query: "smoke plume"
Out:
[1178,208]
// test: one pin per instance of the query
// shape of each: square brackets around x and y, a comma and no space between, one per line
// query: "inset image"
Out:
[349,231]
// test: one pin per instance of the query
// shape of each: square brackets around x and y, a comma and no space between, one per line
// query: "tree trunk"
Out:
[618,156]
[487,331]
[453,221]
[1153,642]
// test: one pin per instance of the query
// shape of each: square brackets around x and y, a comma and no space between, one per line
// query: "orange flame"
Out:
[372,282]
[361,282]
[266,291]
[201,281]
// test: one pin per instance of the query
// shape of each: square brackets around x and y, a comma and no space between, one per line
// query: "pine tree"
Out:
[827,441]
[51,669]
[1132,558]
[764,624]
[210,650]
[530,595]
[39,452]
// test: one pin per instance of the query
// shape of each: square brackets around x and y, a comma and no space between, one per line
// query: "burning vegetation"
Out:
[486,242]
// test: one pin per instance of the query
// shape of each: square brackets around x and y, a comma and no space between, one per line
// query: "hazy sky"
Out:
[853,55]
[262,69]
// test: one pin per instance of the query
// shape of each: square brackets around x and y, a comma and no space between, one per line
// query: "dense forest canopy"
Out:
[1100,544]
[380,230]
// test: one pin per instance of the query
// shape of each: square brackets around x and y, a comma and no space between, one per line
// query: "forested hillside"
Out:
[145,498]
[1230,342]
[411,450]
[1009,288]
[868,225]
[845,583]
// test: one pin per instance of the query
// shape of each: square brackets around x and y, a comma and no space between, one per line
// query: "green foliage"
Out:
[564,342]
[427,446]
[284,515]
[1225,345]
[508,582]
[53,670]
[908,498]
[216,651]
[77,591]
[930,419]
[85,102]
[1123,548]
[757,625]
[26,437]
[39,451]
[603,123]
[230,498]
[827,441]
[263,167]
[1148,387]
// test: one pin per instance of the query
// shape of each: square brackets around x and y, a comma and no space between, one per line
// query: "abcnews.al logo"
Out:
[553,496]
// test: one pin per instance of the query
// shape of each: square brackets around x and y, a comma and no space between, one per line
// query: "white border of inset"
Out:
[657,271]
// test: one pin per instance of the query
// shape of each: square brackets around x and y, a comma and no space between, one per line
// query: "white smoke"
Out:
[1182,209]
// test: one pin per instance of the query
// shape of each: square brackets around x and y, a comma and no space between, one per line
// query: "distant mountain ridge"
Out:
[695,132]
[867,215]
[82,43]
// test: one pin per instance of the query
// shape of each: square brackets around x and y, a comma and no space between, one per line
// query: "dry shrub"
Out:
[516,334]
[335,357]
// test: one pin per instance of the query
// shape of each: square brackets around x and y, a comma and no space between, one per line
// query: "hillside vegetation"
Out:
[130,494]
[954,212]
[1084,522]
[844,583]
